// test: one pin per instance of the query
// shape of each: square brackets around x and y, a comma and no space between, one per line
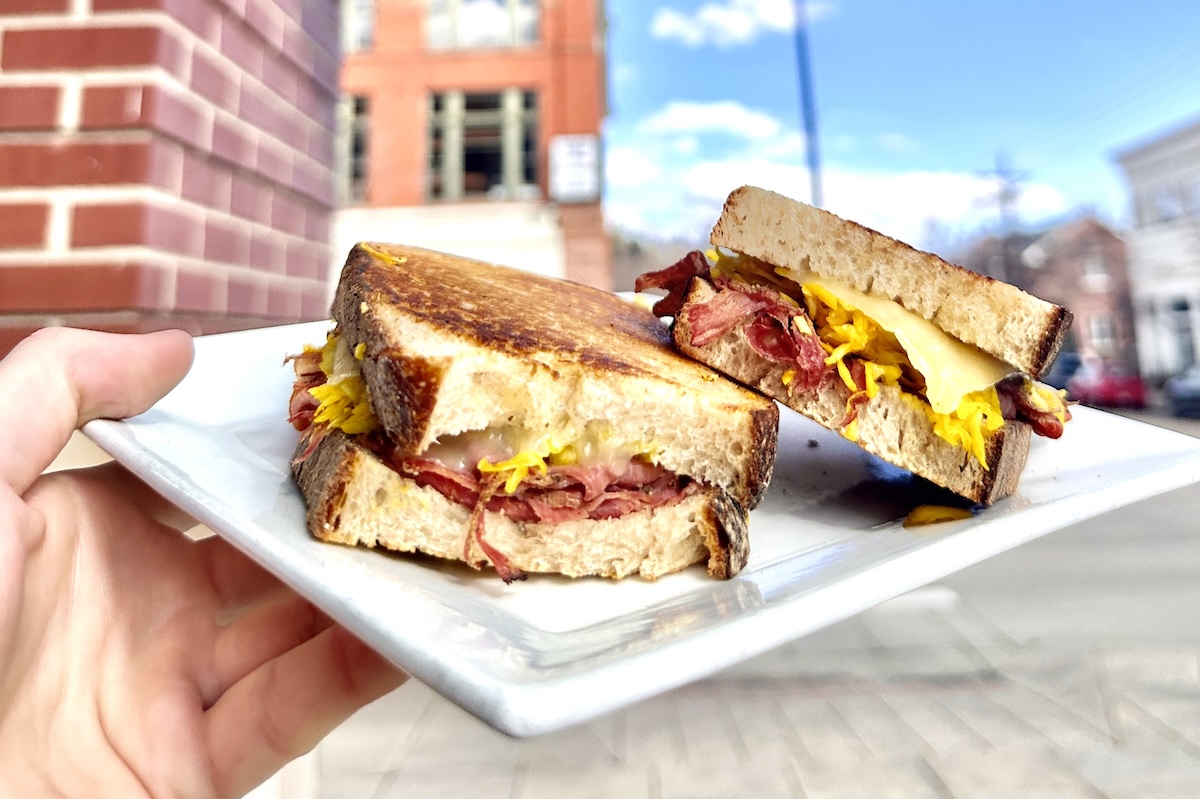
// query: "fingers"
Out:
[120,482]
[281,710]
[261,635]
[58,378]
[236,580]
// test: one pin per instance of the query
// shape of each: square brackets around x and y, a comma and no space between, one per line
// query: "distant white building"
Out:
[1164,248]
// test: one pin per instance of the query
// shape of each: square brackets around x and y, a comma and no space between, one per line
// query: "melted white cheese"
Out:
[594,446]
[951,368]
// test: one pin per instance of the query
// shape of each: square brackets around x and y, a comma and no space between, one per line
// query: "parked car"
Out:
[1183,392]
[1107,384]
[1065,365]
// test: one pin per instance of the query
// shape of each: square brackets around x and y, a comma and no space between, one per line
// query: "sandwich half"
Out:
[923,363]
[473,412]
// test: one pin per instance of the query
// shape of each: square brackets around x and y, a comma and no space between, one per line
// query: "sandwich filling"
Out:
[526,476]
[822,331]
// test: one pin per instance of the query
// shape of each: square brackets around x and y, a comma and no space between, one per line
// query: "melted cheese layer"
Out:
[517,452]
[952,369]
[344,405]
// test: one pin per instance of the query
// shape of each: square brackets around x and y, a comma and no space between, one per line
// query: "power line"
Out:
[1172,82]
[1008,191]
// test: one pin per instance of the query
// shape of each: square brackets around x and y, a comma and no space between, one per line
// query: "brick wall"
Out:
[165,163]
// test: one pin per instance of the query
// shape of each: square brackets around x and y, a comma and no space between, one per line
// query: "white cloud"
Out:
[843,142]
[686,145]
[670,24]
[661,184]
[623,72]
[898,143]
[789,144]
[902,204]
[899,204]
[726,23]
[1040,200]
[627,167]
[725,116]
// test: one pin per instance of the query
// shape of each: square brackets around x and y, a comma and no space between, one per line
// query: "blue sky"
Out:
[915,98]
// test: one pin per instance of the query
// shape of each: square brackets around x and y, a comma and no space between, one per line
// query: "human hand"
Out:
[135,661]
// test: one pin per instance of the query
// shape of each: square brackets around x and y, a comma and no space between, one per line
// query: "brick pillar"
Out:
[587,245]
[165,163]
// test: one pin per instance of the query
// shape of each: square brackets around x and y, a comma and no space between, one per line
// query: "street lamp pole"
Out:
[808,106]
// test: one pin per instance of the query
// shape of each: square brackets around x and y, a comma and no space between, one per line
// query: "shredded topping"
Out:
[519,465]
[861,353]
[591,477]
[847,333]
[329,389]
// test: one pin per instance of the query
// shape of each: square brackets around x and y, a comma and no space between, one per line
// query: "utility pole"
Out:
[808,105]
[1008,191]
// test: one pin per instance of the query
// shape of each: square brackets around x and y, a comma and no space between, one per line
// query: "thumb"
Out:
[59,378]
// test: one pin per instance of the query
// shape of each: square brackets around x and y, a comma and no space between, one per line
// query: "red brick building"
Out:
[1080,264]
[165,163]
[474,126]
[1083,265]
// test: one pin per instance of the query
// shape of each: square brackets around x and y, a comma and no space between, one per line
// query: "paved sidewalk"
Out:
[920,697]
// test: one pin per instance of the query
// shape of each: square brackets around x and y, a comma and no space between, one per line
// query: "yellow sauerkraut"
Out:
[519,465]
[595,445]
[343,396]
[847,332]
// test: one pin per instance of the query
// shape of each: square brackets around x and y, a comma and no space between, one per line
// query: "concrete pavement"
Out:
[916,700]
[1069,667]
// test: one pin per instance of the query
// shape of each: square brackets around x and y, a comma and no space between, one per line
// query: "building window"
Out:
[483,145]
[1167,204]
[1095,271]
[1100,331]
[466,24]
[358,25]
[1143,209]
[1179,324]
[354,123]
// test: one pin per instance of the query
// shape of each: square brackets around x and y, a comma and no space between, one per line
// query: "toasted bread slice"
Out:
[451,345]
[354,498]
[999,318]
[889,425]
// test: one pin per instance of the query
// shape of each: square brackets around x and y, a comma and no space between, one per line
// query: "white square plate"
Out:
[538,655]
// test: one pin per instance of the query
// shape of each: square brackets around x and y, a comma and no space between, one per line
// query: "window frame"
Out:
[513,119]
[358,20]
[354,148]
[445,20]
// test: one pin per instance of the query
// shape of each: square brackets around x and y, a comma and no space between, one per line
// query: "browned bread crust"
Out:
[999,318]
[453,344]
[354,498]
[889,426]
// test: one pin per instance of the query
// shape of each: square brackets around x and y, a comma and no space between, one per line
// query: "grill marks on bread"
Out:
[454,344]
[501,309]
